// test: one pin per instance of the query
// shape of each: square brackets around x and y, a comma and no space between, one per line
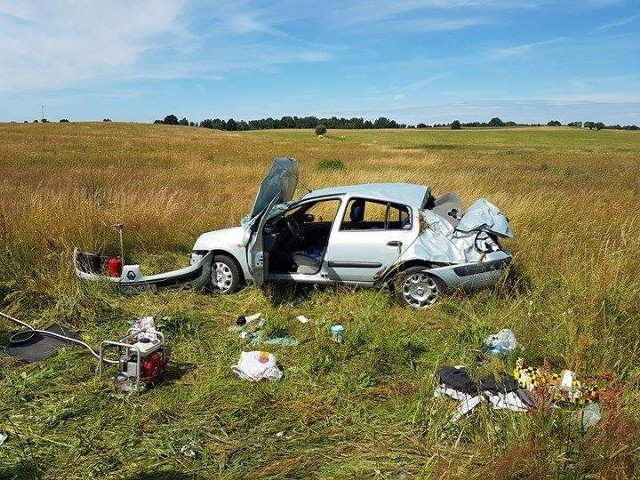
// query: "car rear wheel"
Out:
[225,275]
[417,289]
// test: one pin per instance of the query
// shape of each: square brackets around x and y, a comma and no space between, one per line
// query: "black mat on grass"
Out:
[33,347]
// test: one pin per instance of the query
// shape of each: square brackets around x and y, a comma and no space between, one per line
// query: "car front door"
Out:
[371,235]
[257,258]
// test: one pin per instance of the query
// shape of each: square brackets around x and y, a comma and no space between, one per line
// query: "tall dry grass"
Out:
[361,411]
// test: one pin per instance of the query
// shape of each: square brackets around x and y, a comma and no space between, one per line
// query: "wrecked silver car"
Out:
[384,234]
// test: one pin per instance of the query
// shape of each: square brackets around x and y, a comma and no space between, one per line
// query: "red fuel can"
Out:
[114,266]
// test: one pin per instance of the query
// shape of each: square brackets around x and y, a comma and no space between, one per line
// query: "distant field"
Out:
[361,410]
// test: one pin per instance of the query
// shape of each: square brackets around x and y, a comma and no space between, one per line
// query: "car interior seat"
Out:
[305,264]
[356,214]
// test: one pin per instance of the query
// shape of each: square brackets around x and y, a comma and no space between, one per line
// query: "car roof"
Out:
[405,193]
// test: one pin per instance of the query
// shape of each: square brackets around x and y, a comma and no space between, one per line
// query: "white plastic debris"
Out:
[302,319]
[251,318]
[502,342]
[3,437]
[187,450]
[256,365]
[589,416]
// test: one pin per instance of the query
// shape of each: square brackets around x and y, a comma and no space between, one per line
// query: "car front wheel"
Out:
[225,275]
[417,289]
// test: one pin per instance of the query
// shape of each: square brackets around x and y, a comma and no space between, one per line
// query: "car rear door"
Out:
[370,237]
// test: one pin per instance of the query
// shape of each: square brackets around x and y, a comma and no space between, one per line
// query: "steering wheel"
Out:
[295,228]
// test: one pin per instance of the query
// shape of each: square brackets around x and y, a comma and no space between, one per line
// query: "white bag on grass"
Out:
[502,342]
[256,365]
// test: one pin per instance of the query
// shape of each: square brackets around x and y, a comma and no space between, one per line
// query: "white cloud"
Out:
[244,24]
[376,11]
[518,50]
[434,24]
[620,23]
[51,44]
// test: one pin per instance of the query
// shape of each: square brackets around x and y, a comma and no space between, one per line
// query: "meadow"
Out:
[363,409]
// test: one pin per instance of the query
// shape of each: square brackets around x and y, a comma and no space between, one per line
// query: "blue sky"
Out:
[414,61]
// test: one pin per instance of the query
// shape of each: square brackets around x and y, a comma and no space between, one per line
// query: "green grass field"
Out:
[364,409]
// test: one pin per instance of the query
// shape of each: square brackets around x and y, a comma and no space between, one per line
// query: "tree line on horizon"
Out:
[311,122]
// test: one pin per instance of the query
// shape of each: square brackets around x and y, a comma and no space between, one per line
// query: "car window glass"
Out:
[363,214]
[324,211]
[398,218]
[374,212]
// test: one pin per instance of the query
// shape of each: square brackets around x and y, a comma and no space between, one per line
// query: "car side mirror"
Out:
[308,218]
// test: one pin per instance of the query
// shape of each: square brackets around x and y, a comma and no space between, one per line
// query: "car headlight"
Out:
[485,244]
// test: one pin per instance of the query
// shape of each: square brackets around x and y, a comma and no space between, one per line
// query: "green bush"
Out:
[331,164]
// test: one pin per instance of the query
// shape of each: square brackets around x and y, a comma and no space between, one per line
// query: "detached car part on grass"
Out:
[129,279]
[373,235]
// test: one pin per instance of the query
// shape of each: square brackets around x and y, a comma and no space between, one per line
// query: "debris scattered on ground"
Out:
[3,437]
[500,343]
[246,335]
[588,416]
[337,333]
[302,319]
[187,450]
[281,341]
[244,320]
[520,392]
[147,324]
[33,346]
[256,365]
[247,331]
[502,393]
[563,387]
[254,317]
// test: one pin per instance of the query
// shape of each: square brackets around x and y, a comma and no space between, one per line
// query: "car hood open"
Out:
[280,183]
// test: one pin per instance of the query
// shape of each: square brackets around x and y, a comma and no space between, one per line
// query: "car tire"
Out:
[416,289]
[225,275]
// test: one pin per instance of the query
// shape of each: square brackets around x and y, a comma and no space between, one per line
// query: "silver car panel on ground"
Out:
[363,235]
